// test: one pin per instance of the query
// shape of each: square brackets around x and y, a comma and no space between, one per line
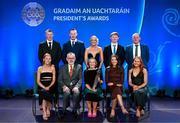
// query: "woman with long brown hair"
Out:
[138,78]
[114,79]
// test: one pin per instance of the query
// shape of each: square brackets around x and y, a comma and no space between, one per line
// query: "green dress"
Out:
[89,77]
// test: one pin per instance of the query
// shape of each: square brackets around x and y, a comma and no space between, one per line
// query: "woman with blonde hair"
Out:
[45,80]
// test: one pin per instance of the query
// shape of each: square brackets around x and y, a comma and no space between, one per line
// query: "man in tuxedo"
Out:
[114,48]
[70,80]
[52,47]
[137,49]
[75,46]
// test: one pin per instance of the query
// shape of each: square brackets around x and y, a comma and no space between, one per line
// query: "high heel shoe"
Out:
[48,113]
[45,116]
[138,114]
[94,114]
[112,115]
[124,111]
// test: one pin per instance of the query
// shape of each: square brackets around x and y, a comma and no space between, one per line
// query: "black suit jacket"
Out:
[108,52]
[55,52]
[144,55]
[78,50]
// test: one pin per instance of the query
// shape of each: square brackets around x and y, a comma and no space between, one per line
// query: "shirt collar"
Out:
[73,40]
[49,41]
[136,44]
[112,44]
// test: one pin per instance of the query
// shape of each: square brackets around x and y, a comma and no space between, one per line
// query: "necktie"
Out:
[50,45]
[114,49]
[73,43]
[136,50]
[71,71]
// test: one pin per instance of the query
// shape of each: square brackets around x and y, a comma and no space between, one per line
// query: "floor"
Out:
[18,109]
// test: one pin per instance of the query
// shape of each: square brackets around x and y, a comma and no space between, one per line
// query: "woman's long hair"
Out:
[117,66]
[141,63]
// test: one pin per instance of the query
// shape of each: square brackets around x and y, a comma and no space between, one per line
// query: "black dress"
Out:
[89,77]
[97,57]
[140,96]
[46,79]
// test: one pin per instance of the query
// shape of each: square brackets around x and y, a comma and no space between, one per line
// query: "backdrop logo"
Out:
[171,21]
[33,14]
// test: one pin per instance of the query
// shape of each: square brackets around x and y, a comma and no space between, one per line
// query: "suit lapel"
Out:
[74,70]
[67,71]
[110,50]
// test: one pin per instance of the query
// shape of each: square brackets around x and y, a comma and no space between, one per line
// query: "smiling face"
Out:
[49,36]
[47,59]
[136,62]
[136,38]
[94,41]
[114,38]
[71,58]
[73,34]
[114,61]
[92,63]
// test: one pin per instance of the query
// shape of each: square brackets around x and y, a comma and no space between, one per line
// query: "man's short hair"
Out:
[71,53]
[114,33]
[73,29]
[48,30]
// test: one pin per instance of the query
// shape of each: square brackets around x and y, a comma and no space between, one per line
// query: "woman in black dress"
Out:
[114,79]
[45,80]
[138,78]
[93,92]
[94,51]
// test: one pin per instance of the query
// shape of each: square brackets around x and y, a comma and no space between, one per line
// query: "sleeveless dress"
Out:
[140,96]
[89,77]
[46,79]
[97,57]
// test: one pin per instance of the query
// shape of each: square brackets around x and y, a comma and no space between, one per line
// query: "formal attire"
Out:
[89,78]
[115,76]
[70,78]
[97,57]
[113,48]
[46,79]
[140,96]
[139,50]
[54,49]
[77,47]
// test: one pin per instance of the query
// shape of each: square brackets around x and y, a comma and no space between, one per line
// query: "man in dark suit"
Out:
[70,80]
[137,49]
[52,47]
[75,46]
[114,48]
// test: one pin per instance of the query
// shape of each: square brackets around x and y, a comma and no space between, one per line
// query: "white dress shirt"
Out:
[139,50]
[72,41]
[48,43]
[112,47]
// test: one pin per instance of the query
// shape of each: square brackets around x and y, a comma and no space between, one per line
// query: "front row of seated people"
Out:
[70,80]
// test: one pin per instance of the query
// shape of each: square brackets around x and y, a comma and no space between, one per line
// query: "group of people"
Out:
[69,78]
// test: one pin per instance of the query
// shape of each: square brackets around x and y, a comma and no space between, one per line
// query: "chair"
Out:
[131,105]
[36,97]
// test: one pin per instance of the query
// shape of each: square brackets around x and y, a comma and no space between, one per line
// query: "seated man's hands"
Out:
[66,89]
[75,90]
